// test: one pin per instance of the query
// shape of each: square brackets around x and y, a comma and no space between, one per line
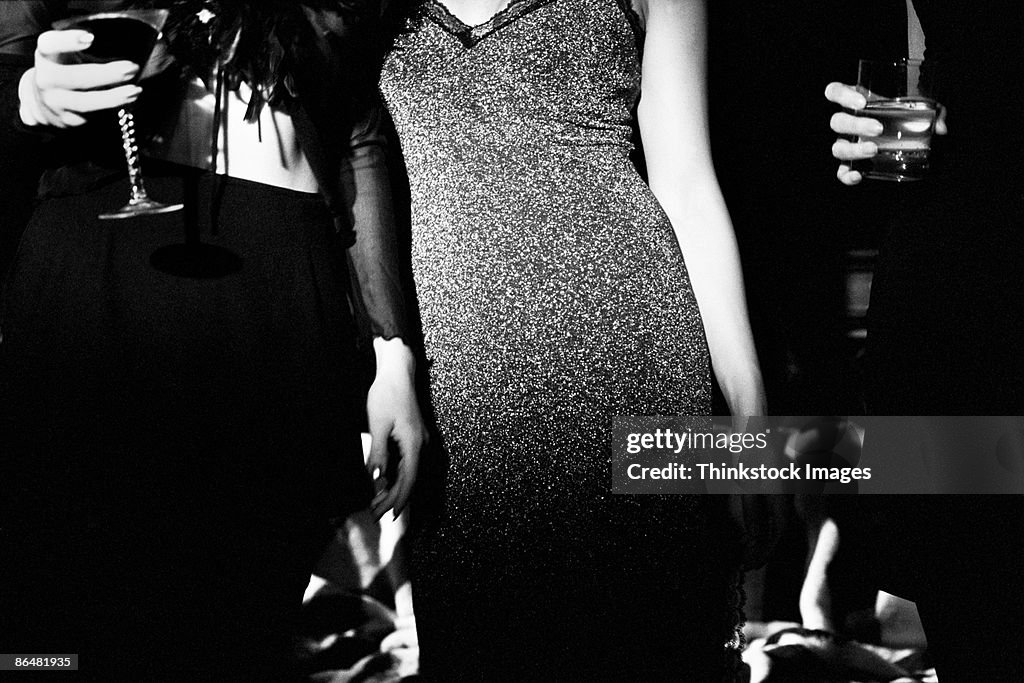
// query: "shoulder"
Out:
[668,19]
[660,13]
[645,7]
[656,9]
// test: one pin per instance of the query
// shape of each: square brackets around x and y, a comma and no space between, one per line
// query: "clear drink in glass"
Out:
[899,98]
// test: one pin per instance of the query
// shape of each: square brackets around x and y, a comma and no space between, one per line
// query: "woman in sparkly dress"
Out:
[554,295]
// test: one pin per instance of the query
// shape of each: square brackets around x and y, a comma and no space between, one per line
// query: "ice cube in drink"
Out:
[905,142]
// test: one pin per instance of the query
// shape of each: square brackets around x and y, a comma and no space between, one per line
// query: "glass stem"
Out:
[131,155]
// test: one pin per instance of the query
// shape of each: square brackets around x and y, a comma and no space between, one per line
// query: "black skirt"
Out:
[175,422]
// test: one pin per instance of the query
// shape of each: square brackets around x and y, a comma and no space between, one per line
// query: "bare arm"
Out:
[674,127]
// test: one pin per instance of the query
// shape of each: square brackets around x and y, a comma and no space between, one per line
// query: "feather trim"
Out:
[262,43]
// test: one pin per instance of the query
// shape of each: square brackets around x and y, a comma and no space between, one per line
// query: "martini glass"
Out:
[130,35]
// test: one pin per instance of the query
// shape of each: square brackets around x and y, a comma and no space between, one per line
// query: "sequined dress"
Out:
[553,296]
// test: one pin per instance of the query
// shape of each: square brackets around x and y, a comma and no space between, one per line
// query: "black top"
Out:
[339,124]
[975,52]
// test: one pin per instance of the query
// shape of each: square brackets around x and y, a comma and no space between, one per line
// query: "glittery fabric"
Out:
[553,297]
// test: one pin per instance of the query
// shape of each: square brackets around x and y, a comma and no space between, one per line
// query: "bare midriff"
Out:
[265,151]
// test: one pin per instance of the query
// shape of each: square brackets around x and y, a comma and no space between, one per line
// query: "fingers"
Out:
[854,126]
[398,496]
[848,124]
[848,176]
[32,111]
[845,96]
[59,94]
[394,495]
[844,150]
[410,444]
[64,108]
[940,122]
[847,151]
[78,102]
[84,76]
[52,44]
[376,465]
[52,71]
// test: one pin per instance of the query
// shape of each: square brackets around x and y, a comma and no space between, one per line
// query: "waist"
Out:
[265,150]
[533,156]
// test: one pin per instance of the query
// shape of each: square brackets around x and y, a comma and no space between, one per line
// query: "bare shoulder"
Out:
[648,9]
[647,6]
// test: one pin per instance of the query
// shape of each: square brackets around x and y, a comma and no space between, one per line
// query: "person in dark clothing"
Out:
[20,161]
[945,324]
[175,441]
[794,226]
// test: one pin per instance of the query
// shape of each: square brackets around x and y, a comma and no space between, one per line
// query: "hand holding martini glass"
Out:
[109,37]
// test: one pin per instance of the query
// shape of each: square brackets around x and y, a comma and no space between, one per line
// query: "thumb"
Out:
[940,122]
[377,460]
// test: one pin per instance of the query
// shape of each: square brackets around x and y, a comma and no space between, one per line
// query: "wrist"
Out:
[393,356]
[744,393]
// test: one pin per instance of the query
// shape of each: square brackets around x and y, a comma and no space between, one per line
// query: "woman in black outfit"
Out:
[177,430]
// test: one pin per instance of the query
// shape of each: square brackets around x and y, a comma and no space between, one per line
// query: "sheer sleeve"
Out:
[21,149]
[20,23]
[372,254]
[342,126]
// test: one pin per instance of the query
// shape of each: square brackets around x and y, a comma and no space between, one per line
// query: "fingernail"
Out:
[85,38]
[134,92]
[877,128]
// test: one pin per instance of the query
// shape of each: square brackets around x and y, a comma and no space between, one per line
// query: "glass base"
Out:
[892,177]
[895,165]
[141,207]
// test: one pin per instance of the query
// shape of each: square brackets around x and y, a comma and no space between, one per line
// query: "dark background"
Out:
[769,63]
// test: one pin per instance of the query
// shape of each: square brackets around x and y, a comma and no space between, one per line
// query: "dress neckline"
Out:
[468,35]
